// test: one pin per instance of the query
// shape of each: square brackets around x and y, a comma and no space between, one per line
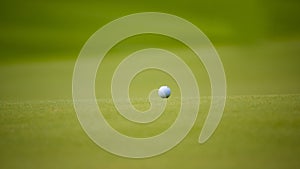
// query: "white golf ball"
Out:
[164,91]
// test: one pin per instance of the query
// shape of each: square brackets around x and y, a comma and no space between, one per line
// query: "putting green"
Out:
[258,43]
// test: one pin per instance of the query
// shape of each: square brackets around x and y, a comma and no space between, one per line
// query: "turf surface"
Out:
[258,43]
[260,127]
[255,132]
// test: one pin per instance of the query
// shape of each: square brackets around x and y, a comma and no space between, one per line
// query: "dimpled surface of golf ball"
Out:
[164,91]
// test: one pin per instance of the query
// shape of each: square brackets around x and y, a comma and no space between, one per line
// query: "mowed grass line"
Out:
[259,131]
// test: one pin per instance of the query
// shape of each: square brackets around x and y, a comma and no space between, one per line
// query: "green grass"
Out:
[255,132]
[257,40]
[56,29]
[260,127]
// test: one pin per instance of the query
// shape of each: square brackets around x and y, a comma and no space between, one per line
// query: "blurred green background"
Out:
[58,29]
[258,43]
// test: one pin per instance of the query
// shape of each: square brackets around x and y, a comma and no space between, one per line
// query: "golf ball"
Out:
[164,91]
